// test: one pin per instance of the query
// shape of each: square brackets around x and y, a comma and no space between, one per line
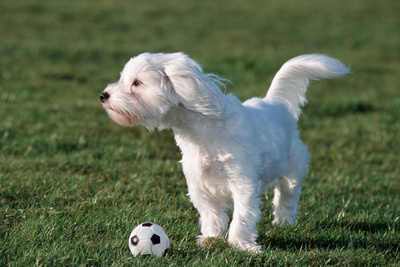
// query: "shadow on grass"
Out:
[348,235]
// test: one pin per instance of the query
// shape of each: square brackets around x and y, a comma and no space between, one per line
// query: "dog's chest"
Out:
[201,162]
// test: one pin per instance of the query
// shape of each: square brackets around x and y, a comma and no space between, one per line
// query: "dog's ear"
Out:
[196,90]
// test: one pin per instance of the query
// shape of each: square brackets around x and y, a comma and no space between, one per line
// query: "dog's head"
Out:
[152,84]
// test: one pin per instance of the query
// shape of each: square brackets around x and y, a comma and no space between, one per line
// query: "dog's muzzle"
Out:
[104,96]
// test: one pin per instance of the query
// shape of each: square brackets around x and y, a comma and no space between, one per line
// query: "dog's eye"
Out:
[136,83]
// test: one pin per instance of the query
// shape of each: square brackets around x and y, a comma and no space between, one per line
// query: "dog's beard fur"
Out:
[145,103]
[231,152]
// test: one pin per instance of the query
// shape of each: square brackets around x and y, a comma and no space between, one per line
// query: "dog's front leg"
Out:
[213,212]
[246,214]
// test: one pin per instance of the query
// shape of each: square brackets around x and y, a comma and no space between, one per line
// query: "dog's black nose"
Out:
[104,96]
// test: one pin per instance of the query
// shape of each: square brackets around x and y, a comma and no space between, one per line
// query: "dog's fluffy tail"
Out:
[290,83]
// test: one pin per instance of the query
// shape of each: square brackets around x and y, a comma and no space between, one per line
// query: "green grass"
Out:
[73,184]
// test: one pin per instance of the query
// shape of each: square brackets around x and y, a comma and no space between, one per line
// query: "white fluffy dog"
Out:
[231,151]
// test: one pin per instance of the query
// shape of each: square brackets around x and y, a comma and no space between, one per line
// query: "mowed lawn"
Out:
[73,184]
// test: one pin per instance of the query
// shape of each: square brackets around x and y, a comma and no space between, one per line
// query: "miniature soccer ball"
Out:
[148,239]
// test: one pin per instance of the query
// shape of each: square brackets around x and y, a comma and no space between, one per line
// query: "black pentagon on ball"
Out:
[165,252]
[134,240]
[155,239]
[147,224]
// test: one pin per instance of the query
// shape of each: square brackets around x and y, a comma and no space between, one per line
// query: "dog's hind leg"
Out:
[286,196]
[288,187]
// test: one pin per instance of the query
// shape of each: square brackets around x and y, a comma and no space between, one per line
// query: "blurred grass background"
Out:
[73,184]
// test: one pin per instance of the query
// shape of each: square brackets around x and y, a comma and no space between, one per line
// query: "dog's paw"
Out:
[252,247]
[255,249]
[283,221]
[200,240]
[212,242]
